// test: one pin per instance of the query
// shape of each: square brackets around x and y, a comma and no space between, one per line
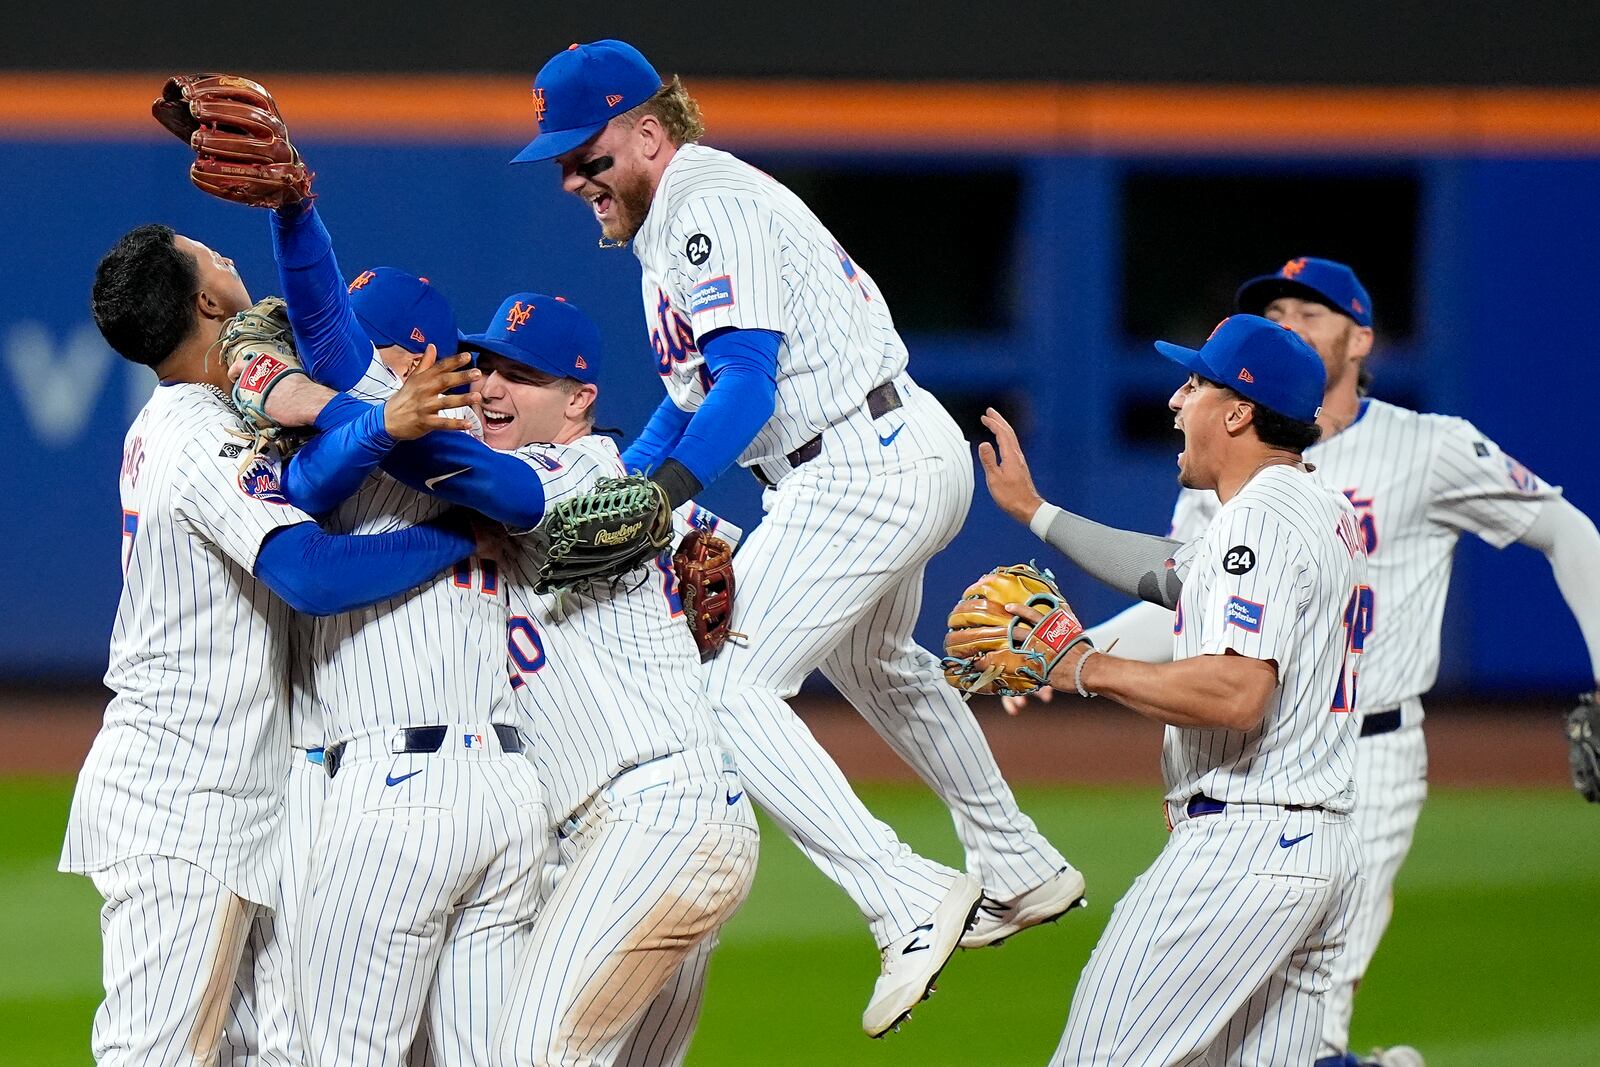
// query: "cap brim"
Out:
[556,143]
[1187,358]
[484,343]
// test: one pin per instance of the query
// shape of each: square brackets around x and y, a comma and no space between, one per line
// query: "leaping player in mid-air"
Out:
[777,350]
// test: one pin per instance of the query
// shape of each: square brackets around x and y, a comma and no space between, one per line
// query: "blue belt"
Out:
[1380,722]
[424,739]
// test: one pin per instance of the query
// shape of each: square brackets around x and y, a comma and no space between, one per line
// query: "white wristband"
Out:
[1042,518]
[1077,673]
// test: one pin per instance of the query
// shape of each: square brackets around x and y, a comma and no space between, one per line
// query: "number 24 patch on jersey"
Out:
[1240,559]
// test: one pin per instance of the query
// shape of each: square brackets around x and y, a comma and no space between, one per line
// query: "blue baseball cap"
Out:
[582,89]
[396,308]
[545,333]
[1322,280]
[1261,360]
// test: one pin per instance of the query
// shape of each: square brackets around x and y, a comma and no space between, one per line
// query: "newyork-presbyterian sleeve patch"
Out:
[1245,614]
[711,293]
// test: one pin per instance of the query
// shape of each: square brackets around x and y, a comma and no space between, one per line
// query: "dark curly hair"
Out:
[143,295]
[1274,428]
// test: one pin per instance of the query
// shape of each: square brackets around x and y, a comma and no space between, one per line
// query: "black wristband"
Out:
[680,485]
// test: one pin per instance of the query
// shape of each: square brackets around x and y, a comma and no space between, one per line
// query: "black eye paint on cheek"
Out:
[595,166]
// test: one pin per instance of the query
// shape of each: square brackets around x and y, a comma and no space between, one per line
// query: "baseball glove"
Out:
[601,535]
[985,653]
[259,337]
[1583,747]
[242,149]
[704,566]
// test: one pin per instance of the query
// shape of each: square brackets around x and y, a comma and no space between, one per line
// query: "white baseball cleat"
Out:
[997,920]
[1398,1056]
[912,963]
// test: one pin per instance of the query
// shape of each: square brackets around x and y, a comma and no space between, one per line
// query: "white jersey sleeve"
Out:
[691,516]
[224,505]
[567,470]
[724,258]
[1477,488]
[1258,582]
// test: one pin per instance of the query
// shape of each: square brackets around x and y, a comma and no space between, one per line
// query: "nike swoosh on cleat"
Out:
[432,483]
[887,441]
[390,779]
[1285,842]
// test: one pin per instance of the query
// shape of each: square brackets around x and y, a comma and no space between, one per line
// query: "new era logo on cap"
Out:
[613,99]
[416,335]
[1246,376]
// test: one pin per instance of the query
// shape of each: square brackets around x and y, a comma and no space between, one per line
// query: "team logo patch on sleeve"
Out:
[711,293]
[697,248]
[260,480]
[1240,559]
[1522,479]
[1245,614]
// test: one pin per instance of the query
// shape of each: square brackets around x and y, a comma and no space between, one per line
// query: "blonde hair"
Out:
[675,109]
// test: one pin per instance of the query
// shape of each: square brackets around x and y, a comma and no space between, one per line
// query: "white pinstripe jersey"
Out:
[1417,482]
[192,755]
[611,678]
[430,655]
[725,245]
[1277,575]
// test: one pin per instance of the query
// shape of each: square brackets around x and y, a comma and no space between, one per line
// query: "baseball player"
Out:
[651,812]
[777,349]
[1417,483]
[1221,951]
[176,812]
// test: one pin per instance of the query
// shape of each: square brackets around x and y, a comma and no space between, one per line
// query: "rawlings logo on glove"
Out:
[990,651]
[601,535]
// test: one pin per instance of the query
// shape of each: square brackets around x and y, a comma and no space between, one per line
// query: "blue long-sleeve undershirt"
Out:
[319,573]
[744,376]
[335,349]
[449,464]
[658,438]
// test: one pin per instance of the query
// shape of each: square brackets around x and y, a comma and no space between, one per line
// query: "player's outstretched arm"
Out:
[1569,540]
[1142,632]
[658,438]
[319,573]
[1130,562]
[1228,690]
[335,348]
[744,373]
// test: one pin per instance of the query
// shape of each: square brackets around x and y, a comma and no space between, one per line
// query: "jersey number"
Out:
[1357,625]
[525,648]
[480,574]
[130,527]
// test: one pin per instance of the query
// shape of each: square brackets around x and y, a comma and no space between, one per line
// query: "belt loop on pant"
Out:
[880,401]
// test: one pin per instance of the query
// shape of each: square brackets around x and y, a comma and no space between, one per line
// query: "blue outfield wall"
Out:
[1505,276]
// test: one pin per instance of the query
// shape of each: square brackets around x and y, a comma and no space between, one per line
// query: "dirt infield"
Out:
[1070,740]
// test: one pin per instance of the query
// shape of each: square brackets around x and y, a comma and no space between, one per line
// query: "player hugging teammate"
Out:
[412,757]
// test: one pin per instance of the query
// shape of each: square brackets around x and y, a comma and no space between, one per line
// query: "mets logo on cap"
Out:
[517,315]
[1294,268]
[538,105]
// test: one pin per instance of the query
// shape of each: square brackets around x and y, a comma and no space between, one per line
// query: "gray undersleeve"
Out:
[1132,563]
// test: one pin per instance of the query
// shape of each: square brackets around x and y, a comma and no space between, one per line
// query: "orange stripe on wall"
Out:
[926,115]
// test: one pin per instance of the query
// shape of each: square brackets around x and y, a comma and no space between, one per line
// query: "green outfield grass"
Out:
[1491,959]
